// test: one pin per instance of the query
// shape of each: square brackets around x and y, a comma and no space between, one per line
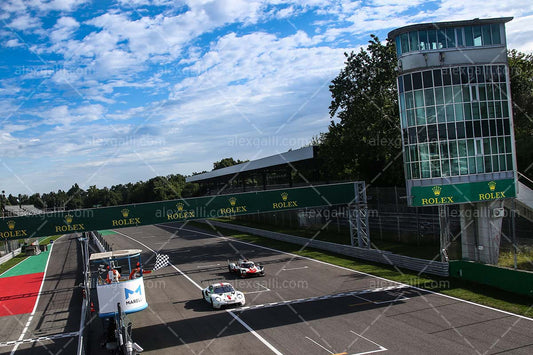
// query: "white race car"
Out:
[246,268]
[222,294]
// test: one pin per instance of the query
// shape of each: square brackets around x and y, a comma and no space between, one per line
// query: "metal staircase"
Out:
[524,198]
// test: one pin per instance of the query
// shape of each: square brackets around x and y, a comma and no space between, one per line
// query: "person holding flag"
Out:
[138,271]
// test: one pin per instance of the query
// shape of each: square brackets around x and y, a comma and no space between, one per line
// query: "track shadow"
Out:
[222,324]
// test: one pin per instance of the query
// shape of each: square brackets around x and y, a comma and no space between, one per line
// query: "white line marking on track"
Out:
[26,327]
[39,339]
[268,345]
[397,299]
[318,298]
[295,268]
[259,337]
[266,289]
[381,348]
[331,352]
[355,271]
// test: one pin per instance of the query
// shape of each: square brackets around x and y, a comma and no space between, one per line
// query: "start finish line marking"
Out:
[39,339]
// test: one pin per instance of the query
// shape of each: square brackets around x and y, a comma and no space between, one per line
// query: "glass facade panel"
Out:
[429,97]
[423,40]
[413,41]
[419,98]
[404,43]
[451,37]
[469,36]
[495,30]
[476,30]
[486,35]
[455,129]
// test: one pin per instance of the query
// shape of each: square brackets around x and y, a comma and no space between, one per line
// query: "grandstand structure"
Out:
[297,167]
[21,210]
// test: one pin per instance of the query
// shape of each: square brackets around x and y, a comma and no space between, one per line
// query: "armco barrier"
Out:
[520,282]
[10,255]
[384,257]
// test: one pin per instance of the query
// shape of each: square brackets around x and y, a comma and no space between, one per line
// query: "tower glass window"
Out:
[476,138]
[451,37]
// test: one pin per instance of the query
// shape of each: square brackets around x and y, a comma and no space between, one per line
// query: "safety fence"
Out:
[89,242]
[384,257]
[100,242]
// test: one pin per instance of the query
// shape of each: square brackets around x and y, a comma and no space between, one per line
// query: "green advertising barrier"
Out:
[520,282]
[175,210]
[463,193]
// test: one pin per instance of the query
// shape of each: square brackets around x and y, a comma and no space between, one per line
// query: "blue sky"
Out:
[108,92]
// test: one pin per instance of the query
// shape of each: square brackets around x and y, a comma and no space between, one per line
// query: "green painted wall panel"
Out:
[175,210]
[520,282]
[462,193]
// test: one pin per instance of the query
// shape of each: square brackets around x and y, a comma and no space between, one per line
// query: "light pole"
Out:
[2,203]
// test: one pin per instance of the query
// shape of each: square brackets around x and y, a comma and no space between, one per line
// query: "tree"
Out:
[224,163]
[365,143]
[521,70]
[75,197]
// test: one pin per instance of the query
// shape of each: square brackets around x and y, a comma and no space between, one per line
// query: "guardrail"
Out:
[100,242]
[10,255]
[379,256]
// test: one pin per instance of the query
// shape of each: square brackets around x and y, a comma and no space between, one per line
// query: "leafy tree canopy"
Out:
[224,163]
[363,141]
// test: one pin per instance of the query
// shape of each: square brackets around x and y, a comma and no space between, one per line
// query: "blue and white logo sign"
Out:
[129,292]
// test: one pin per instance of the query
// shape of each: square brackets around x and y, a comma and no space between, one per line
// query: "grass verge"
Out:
[48,239]
[468,291]
[11,262]
[425,251]
[17,259]
[524,259]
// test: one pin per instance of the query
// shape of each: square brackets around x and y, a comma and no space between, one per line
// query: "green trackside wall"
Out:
[520,282]
[176,210]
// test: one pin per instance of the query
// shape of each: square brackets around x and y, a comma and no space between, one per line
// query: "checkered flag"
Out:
[161,261]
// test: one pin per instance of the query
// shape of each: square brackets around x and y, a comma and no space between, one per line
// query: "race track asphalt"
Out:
[53,328]
[301,306]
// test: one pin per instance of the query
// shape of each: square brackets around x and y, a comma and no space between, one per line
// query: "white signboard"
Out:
[130,294]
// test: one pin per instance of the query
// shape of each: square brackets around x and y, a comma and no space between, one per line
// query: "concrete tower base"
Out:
[481,229]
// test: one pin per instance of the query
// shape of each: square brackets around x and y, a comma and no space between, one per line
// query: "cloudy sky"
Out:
[108,92]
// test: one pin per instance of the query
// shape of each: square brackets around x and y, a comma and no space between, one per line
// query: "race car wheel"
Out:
[229,269]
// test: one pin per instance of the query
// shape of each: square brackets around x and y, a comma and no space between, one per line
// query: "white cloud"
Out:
[64,28]
[13,43]
[24,22]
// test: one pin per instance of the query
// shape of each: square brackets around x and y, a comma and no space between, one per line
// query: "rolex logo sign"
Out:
[285,202]
[437,199]
[69,226]
[493,194]
[126,220]
[12,233]
[180,213]
[225,211]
